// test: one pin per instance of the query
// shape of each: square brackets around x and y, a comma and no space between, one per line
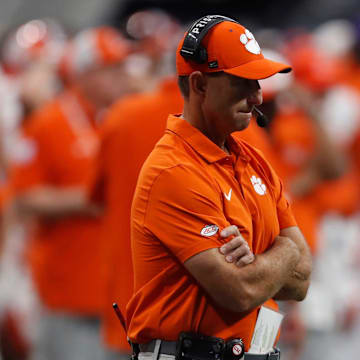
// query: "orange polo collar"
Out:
[200,143]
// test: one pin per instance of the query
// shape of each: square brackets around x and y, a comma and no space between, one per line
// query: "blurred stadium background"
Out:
[80,13]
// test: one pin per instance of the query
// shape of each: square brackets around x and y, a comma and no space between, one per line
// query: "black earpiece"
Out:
[261,119]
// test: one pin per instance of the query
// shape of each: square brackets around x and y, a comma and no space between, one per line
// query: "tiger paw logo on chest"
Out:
[259,187]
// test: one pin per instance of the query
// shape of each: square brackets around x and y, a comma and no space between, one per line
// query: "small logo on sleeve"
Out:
[209,230]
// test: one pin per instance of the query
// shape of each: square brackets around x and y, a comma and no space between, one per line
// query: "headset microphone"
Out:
[261,119]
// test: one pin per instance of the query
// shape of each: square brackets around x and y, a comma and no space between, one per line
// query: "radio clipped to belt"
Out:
[192,346]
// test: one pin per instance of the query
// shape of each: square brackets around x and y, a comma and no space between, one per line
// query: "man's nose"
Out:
[255,98]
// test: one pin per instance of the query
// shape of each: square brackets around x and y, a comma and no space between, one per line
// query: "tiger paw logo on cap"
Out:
[250,43]
[259,187]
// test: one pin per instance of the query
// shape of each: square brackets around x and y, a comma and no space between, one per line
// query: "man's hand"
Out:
[237,250]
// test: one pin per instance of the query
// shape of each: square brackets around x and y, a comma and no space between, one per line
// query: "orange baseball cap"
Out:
[230,48]
[92,48]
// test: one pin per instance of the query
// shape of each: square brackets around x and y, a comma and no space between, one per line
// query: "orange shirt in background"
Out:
[292,134]
[260,139]
[130,131]
[57,149]
[294,139]
[189,190]
[304,209]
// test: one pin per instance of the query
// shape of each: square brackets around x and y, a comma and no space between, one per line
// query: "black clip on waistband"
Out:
[198,347]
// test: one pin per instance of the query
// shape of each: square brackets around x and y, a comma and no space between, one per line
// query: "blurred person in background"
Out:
[315,166]
[336,287]
[49,178]
[29,56]
[130,130]
[16,302]
[154,32]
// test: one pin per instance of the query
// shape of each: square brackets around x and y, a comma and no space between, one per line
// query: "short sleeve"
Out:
[185,211]
[285,214]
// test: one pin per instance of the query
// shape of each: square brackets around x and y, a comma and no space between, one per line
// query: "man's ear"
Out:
[197,83]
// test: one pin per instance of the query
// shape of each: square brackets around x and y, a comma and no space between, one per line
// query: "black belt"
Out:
[169,348]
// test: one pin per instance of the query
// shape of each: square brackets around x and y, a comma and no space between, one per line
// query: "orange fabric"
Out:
[312,67]
[293,136]
[306,210]
[181,190]
[353,75]
[308,215]
[60,144]
[233,49]
[347,193]
[294,139]
[5,195]
[131,129]
[259,138]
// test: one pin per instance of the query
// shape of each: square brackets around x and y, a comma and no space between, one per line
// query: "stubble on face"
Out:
[226,103]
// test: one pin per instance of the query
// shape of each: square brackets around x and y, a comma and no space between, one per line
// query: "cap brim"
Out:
[259,69]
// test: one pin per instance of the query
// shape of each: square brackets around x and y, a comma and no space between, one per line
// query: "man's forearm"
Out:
[297,284]
[47,201]
[296,289]
[270,270]
[243,289]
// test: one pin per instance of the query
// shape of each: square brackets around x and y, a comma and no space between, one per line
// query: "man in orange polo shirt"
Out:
[199,187]
[49,175]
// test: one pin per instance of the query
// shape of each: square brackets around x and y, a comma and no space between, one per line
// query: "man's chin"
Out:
[242,121]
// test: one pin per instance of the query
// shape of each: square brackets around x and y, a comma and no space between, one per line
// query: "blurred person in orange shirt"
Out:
[18,303]
[49,174]
[29,55]
[313,159]
[317,166]
[131,128]
[130,131]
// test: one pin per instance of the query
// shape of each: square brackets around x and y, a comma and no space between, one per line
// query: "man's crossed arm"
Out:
[244,281]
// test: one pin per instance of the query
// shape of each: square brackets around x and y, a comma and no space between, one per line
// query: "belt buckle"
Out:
[274,356]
